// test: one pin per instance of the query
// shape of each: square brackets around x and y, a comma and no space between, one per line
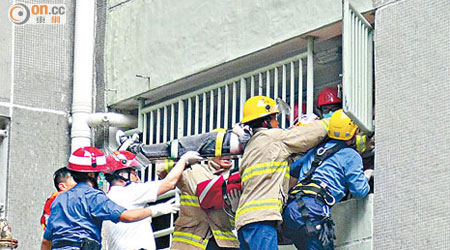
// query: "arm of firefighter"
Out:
[174,175]
[357,182]
[135,214]
[46,244]
[301,139]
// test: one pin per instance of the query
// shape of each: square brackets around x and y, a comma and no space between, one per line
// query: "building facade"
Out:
[187,67]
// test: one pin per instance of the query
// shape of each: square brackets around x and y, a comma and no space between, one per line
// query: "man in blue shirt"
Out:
[77,215]
[324,173]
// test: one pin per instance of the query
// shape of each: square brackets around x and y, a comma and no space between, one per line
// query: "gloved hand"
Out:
[368,173]
[170,206]
[233,197]
[191,157]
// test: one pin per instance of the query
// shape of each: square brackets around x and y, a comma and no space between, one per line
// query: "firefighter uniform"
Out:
[265,178]
[195,227]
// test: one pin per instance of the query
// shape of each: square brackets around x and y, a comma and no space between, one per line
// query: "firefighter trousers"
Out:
[258,235]
[311,232]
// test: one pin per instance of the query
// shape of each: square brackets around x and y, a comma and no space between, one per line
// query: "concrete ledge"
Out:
[354,221]
[354,225]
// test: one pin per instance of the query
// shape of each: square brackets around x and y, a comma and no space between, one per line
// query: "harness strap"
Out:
[322,154]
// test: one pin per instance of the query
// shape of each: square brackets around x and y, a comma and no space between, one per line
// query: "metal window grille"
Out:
[220,105]
[357,47]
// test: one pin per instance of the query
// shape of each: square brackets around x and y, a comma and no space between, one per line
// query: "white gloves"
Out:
[170,206]
[191,157]
[368,173]
[241,129]
[233,197]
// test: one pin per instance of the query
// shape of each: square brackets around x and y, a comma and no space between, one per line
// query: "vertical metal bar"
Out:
[172,121]
[225,114]
[300,87]
[364,74]
[292,102]
[275,83]
[260,85]
[252,86]
[310,77]
[165,125]
[242,98]
[144,132]
[204,114]
[180,119]
[359,79]
[283,95]
[197,114]
[219,107]
[346,53]
[211,110]
[354,66]
[158,126]
[370,80]
[234,107]
[150,137]
[268,83]
[189,117]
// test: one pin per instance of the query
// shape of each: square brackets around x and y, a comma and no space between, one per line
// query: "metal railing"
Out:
[220,105]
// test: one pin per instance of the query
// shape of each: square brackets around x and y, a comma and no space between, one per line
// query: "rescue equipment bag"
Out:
[213,193]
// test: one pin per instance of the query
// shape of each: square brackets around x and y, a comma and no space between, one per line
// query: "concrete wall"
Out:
[412,75]
[169,40]
[39,100]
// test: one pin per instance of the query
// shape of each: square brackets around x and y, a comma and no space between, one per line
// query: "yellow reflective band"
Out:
[259,205]
[325,122]
[219,142]
[168,165]
[189,200]
[190,239]
[361,143]
[264,168]
[222,235]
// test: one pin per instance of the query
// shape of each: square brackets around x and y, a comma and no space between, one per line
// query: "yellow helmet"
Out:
[341,127]
[257,107]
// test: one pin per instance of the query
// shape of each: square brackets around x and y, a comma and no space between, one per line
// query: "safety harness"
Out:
[308,187]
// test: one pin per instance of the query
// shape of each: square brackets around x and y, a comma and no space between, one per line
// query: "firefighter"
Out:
[202,229]
[329,101]
[264,171]
[77,214]
[324,173]
[63,181]
[127,191]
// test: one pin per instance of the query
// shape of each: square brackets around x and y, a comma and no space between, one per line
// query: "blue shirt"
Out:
[78,214]
[341,171]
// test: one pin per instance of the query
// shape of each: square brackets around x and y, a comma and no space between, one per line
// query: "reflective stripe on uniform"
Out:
[189,200]
[224,235]
[325,123]
[266,204]
[190,239]
[168,165]
[265,168]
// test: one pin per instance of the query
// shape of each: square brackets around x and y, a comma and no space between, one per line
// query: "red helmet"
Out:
[87,159]
[121,159]
[328,96]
